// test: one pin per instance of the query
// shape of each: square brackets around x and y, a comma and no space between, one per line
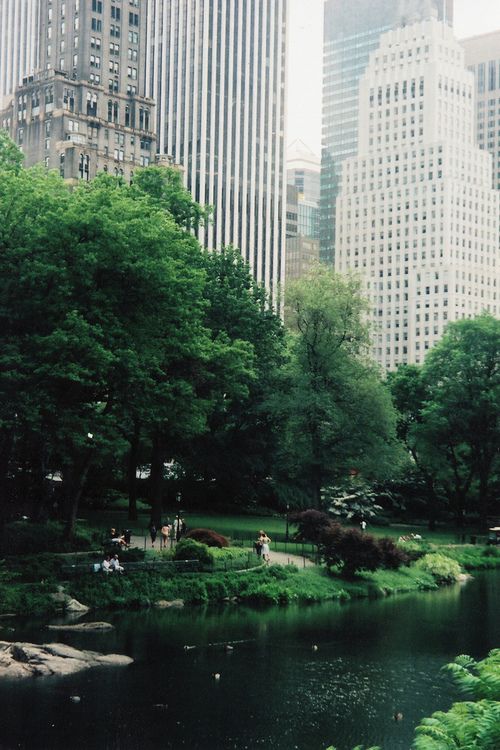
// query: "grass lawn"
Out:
[246,528]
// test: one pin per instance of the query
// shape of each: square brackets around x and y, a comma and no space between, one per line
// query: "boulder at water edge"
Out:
[33,660]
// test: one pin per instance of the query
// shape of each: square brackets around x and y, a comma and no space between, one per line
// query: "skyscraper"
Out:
[352,30]
[19,42]
[303,178]
[482,56]
[417,216]
[217,73]
[84,109]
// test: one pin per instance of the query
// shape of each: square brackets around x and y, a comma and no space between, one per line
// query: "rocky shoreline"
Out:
[19,660]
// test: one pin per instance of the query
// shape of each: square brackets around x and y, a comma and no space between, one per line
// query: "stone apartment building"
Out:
[85,111]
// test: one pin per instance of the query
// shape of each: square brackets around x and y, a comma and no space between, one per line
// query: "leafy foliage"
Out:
[311,524]
[444,569]
[190,549]
[449,417]
[336,411]
[209,537]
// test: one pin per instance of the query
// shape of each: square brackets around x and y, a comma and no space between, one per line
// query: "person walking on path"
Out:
[363,525]
[152,532]
[165,534]
[265,541]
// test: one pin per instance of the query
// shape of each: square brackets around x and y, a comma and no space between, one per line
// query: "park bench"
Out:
[167,566]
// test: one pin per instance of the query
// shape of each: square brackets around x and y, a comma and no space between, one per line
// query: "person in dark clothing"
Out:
[152,532]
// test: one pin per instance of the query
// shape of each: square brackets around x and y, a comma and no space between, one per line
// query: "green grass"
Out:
[246,528]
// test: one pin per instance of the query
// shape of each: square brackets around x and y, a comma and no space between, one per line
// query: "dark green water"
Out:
[373,658]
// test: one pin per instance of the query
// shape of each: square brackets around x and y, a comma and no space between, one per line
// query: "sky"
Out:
[305,59]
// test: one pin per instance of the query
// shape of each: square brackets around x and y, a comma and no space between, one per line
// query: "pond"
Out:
[373,658]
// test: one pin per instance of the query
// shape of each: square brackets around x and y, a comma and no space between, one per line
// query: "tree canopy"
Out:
[337,412]
[450,412]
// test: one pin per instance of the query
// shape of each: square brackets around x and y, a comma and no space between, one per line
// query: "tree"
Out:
[102,318]
[461,415]
[11,158]
[164,186]
[311,525]
[449,416]
[337,412]
[409,393]
[240,423]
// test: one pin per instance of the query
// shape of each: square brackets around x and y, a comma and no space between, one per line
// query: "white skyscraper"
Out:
[218,78]
[417,216]
[19,27]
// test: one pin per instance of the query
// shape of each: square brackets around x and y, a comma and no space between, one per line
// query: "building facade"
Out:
[417,216]
[217,72]
[19,44]
[84,110]
[482,56]
[303,178]
[352,30]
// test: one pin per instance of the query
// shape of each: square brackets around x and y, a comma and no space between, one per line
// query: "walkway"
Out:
[277,558]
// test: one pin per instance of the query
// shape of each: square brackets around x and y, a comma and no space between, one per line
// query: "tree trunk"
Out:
[156,478]
[132,472]
[432,515]
[483,498]
[76,483]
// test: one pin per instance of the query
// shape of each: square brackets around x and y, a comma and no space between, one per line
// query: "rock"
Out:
[75,698]
[33,660]
[163,604]
[83,627]
[75,606]
[68,604]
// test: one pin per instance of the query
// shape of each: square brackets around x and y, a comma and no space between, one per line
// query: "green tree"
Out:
[102,313]
[337,413]
[240,423]
[11,158]
[410,393]
[164,186]
[459,427]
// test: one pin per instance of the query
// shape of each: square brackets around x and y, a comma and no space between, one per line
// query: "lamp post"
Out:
[178,529]
[287,536]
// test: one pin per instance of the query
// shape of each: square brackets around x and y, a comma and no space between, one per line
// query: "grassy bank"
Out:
[266,585]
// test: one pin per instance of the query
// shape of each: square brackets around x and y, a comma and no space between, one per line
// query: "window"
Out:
[97,6]
[133,19]
[132,54]
[133,37]
[96,24]
[132,73]
[115,13]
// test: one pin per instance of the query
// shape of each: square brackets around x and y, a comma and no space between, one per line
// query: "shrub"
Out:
[311,525]
[442,568]
[209,537]
[189,549]
[329,542]
[33,568]
[350,549]
[393,557]
[25,537]
[358,551]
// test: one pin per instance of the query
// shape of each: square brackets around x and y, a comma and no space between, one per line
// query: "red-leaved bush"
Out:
[209,537]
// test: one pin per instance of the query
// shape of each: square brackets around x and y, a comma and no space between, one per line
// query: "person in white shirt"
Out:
[115,565]
[106,565]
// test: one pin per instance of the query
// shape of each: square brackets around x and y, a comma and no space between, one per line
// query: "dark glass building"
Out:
[352,29]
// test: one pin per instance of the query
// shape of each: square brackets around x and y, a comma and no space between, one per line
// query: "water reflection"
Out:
[372,659]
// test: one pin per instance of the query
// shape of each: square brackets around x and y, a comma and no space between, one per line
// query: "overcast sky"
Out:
[305,58]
